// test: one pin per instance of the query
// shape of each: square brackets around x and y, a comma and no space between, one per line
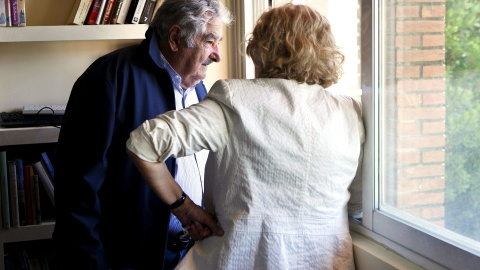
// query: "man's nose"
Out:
[215,55]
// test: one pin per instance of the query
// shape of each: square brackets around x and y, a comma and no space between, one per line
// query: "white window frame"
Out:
[424,249]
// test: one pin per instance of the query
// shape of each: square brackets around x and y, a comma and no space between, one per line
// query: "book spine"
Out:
[22,19]
[157,6]
[22,210]
[12,178]
[28,196]
[82,13]
[8,13]
[3,21]
[46,181]
[94,12]
[101,11]
[108,12]
[116,11]
[14,12]
[131,11]
[123,11]
[138,11]
[4,190]
[147,12]
[33,200]
[38,212]
[48,164]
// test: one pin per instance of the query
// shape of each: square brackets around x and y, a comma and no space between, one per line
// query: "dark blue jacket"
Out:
[106,215]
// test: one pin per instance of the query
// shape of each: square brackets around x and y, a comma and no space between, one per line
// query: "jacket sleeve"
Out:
[81,166]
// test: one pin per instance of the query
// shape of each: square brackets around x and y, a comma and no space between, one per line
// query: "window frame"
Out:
[416,245]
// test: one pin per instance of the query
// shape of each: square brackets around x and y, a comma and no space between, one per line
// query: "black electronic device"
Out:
[18,119]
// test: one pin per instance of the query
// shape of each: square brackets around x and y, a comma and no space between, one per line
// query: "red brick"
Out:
[420,56]
[434,71]
[421,85]
[439,223]
[433,212]
[408,128]
[420,142]
[433,127]
[408,100]
[408,157]
[433,40]
[420,199]
[421,113]
[433,11]
[423,26]
[414,212]
[433,184]
[434,99]
[407,11]
[407,41]
[433,156]
[408,186]
[408,72]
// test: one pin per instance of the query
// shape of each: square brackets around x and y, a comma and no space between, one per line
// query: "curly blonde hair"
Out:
[295,42]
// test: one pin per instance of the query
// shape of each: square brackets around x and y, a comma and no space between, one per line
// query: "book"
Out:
[94,10]
[22,19]
[131,11]
[108,12]
[28,196]
[147,11]
[157,6]
[14,12]
[12,180]
[36,188]
[48,164]
[22,210]
[116,11]
[8,13]
[3,21]
[5,202]
[122,14]
[101,11]
[46,180]
[138,11]
[79,12]
[33,200]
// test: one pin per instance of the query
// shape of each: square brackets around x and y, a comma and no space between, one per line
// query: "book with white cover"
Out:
[138,11]
[3,16]
[41,170]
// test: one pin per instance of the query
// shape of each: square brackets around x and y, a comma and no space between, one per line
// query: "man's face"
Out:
[192,63]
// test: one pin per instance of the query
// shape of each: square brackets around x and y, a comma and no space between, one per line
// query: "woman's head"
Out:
[295,42]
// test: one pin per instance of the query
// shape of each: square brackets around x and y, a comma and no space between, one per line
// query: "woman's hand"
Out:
[198,222]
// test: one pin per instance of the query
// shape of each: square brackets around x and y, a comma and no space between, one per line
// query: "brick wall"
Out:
[419,84]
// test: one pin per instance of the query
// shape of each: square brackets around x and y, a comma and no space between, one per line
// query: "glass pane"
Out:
[344,17]
[430,116]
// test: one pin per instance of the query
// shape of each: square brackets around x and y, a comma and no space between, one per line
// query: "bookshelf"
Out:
[39,65]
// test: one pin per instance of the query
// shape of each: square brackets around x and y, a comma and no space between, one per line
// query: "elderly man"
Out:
[106,215]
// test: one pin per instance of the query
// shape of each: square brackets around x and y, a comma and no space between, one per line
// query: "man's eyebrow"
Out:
[212,36]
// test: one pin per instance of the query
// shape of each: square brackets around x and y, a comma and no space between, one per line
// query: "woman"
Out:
[284,154]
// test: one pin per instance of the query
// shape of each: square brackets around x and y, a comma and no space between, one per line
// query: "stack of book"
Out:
[21,192]
[96,12]
[12,13]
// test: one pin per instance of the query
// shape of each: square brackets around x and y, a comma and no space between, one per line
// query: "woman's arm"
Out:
[200,223]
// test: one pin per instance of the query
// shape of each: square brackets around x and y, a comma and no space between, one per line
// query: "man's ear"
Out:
[174,37]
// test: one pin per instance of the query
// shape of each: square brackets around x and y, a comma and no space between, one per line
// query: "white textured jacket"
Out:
[284,156]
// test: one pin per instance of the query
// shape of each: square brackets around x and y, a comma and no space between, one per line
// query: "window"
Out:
[421,101]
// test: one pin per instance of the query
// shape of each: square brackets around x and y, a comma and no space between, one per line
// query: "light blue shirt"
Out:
[189,170]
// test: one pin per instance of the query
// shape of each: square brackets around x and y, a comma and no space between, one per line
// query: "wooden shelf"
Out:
[30,135]
[28,233]
[72,32]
